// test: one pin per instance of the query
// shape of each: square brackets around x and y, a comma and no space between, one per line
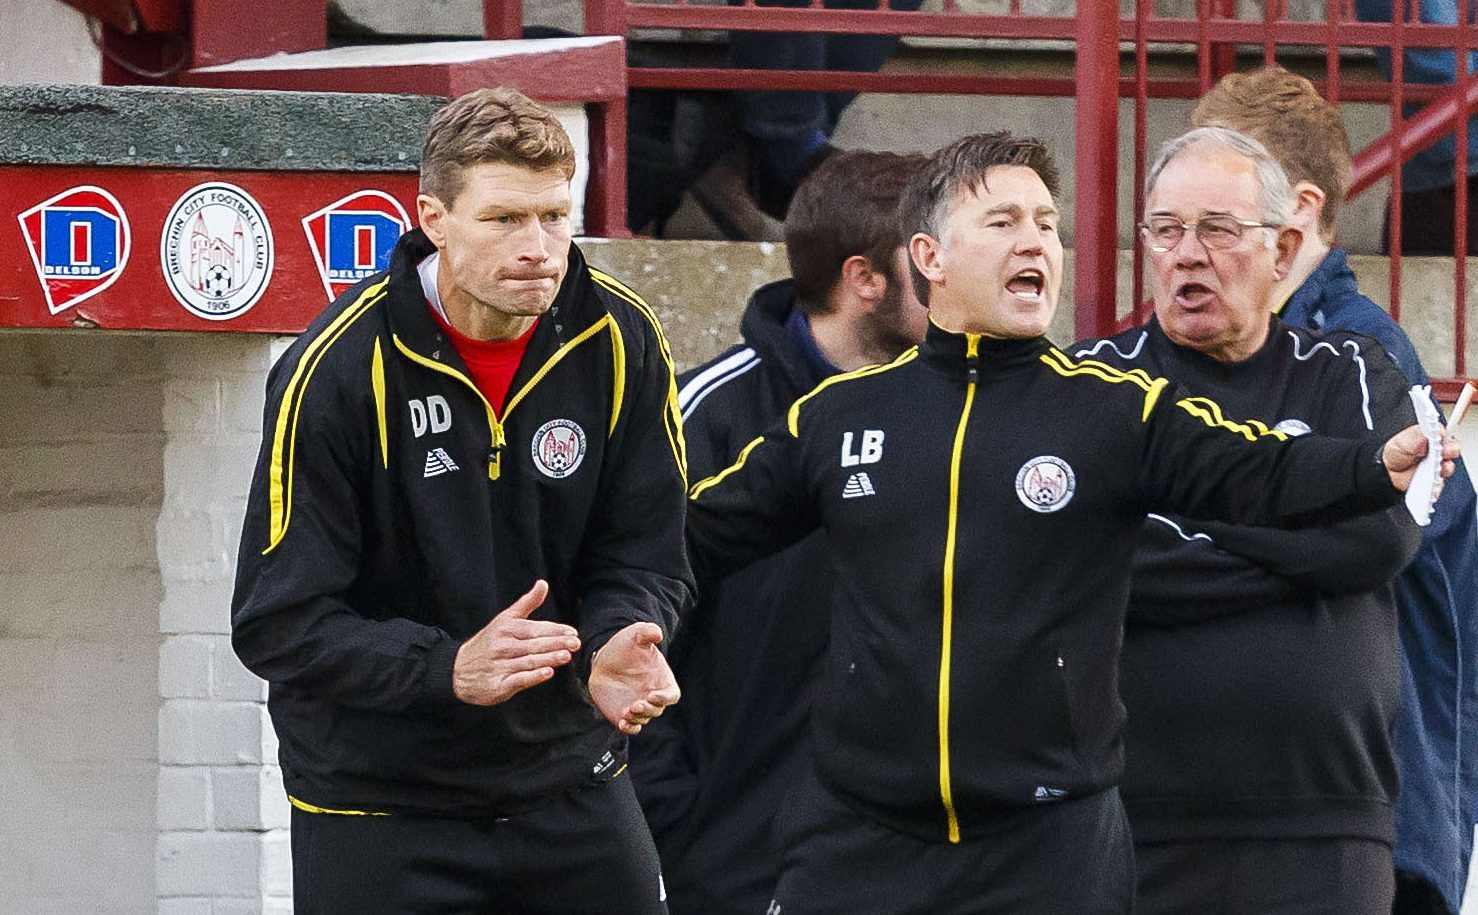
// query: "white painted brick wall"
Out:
[222,813]
[81,445]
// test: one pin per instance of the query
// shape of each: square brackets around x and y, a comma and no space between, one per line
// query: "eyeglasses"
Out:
[1217,233]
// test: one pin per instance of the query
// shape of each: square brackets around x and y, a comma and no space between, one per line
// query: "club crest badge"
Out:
[558,448]
[1045,484]
[217,251]
[352,238]
[1293,427]
[79,242]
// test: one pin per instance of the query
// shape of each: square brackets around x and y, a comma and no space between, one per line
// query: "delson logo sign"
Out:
[217,251]
[352,238]
[79,242]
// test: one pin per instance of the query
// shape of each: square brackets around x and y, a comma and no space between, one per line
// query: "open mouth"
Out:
[1027,285]
[1194,295]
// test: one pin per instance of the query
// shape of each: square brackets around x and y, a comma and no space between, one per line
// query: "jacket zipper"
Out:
[946,794]
[499,441]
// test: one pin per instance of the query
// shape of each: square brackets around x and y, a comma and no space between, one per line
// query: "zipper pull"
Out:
[972,358]
[495,453]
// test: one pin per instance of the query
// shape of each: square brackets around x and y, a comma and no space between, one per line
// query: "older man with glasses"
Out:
[1260,669]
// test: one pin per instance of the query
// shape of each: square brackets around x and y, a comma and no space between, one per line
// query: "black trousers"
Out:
[1072,857]
[1266,877]
[588,851]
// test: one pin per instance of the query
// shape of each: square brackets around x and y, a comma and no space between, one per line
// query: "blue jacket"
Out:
[1437,601]
[1432,167]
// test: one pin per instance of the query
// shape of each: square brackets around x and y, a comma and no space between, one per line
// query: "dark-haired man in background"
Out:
[748,656]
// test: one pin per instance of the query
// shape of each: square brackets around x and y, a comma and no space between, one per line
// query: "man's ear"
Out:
[1308,199]
[1286,249]
[927,255]
[430,212]
[862,280]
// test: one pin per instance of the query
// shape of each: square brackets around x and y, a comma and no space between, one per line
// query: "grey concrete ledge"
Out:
[219,129]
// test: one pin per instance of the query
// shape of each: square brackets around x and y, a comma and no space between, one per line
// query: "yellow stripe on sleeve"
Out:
[280,470]
[1060,363]
[672,419]
[618,373]
[1153,397]
[714,480]
[793,417]
[1209,412]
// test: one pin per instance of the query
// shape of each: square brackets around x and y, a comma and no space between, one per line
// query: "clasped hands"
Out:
[630,682]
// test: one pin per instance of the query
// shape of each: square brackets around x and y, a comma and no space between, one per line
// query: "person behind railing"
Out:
[711,780]
[789,132]
[979,498]
[743,154]
[1260,672]
[1437,594]
[1429,178]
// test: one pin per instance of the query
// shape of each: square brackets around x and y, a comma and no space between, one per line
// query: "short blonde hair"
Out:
[491,125]
[1286,114]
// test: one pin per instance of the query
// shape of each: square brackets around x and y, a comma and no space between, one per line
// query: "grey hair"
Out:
[1277,193]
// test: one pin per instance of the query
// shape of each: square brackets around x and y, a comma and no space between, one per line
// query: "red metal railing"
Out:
[1101,38]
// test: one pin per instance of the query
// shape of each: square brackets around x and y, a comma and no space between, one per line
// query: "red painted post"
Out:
[1223,54]
[502,19]
[605,17]
[605,200]
[222,32]
[1095,236]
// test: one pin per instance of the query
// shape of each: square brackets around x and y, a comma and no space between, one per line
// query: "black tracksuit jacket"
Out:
[714,769]
[1261,668]
[981,500]
[394,512]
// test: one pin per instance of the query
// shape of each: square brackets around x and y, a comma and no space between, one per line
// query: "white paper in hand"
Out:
[1421,495]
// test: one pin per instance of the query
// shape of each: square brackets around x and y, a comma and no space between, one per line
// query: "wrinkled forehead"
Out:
[1002,187]
[1206,179]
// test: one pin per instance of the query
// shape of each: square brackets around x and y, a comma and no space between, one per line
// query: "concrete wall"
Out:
[43,41]
[81,482]
[222,815]
[137,766]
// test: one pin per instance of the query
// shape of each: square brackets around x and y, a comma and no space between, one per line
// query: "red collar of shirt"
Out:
[492,363]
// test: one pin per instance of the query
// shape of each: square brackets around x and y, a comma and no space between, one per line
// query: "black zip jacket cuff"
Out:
[594,641]
[1372,479]
[441,659]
